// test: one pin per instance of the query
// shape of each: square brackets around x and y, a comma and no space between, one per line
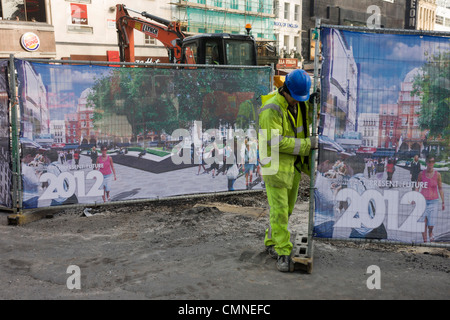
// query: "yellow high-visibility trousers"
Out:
[281,202]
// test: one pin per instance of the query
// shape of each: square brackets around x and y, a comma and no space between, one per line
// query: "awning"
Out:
[367,150]
[383,154]
[28,143]
[326,142]
[70,146]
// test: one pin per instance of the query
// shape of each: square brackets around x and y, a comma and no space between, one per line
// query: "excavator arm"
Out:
[167,32]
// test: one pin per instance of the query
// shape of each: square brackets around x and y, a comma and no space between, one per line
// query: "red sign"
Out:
[287,63]
[78,13]
[366,150]
[113,56]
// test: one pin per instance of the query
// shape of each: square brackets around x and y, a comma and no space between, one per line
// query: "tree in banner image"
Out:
[202,93]
[433,87]
[140,95]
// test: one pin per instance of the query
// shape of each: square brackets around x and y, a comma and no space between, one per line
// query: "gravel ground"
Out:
[197,250]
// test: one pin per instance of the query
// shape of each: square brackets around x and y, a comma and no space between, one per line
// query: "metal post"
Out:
[16,172]
[312,164]
[272,74]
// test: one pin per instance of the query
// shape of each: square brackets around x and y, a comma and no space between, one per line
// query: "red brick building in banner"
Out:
[408,116]
[388,132]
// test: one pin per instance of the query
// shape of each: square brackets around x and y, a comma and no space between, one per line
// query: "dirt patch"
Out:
[202,248]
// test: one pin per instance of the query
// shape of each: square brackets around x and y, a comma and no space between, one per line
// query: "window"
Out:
[190,52]
[296,12]
[417,109]
[391,124]
[261,6]
[149,40]
[447,22]
[286,43]
[239,53]
[276,8]
[286,10]
[405,109]
[439,20]
[234,4]
[212,53]
[24,10]
[248,5]
[384,123]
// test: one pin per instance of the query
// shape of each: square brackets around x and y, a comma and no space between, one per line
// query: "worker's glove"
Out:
[315,96]
[314,142]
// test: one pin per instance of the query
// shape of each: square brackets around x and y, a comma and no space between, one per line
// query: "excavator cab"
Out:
[208,48]
[220,49]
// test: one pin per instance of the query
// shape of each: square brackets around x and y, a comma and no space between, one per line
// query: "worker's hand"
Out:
[314,142]
[315,96]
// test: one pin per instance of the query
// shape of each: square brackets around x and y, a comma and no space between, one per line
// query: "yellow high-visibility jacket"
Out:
[283,140]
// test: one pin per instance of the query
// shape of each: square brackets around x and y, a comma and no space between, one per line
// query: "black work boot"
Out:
[270,250]
[284,263]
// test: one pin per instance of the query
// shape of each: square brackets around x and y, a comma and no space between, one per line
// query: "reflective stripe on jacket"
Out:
[282,140]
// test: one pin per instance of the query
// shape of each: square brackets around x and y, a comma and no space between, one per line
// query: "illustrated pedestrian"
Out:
[30,180]
[106,167]
[284,120]
[94,155]
[433,181]
[201,160]
[415,170]
[62,157]
[232,167]
[249,163]
[76,157]
[390,169]
[369,168]
[214,151]
[69,158]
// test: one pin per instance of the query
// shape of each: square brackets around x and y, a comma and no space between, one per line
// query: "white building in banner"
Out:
[339,108]
[368,124]
[58,131]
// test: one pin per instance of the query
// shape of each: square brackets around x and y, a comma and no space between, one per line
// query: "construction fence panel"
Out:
[384,104]
[5,148]
[91,133]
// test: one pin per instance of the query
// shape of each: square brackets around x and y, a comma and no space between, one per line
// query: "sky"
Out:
[385,60]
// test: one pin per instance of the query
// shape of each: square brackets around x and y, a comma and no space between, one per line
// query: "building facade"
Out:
[388,124]
[287,28]
[368,127]
[408,115]
[442,22]
[349,13]
[76,29]
[426,14]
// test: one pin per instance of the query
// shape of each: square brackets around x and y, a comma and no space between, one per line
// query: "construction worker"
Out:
[284,119]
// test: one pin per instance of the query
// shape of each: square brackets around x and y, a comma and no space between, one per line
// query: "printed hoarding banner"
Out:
[5,153]
[96,134]
[383,170]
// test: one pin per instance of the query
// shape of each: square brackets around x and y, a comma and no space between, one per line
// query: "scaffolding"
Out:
[227,16]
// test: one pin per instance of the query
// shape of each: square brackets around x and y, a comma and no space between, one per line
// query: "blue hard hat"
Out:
[299,83]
